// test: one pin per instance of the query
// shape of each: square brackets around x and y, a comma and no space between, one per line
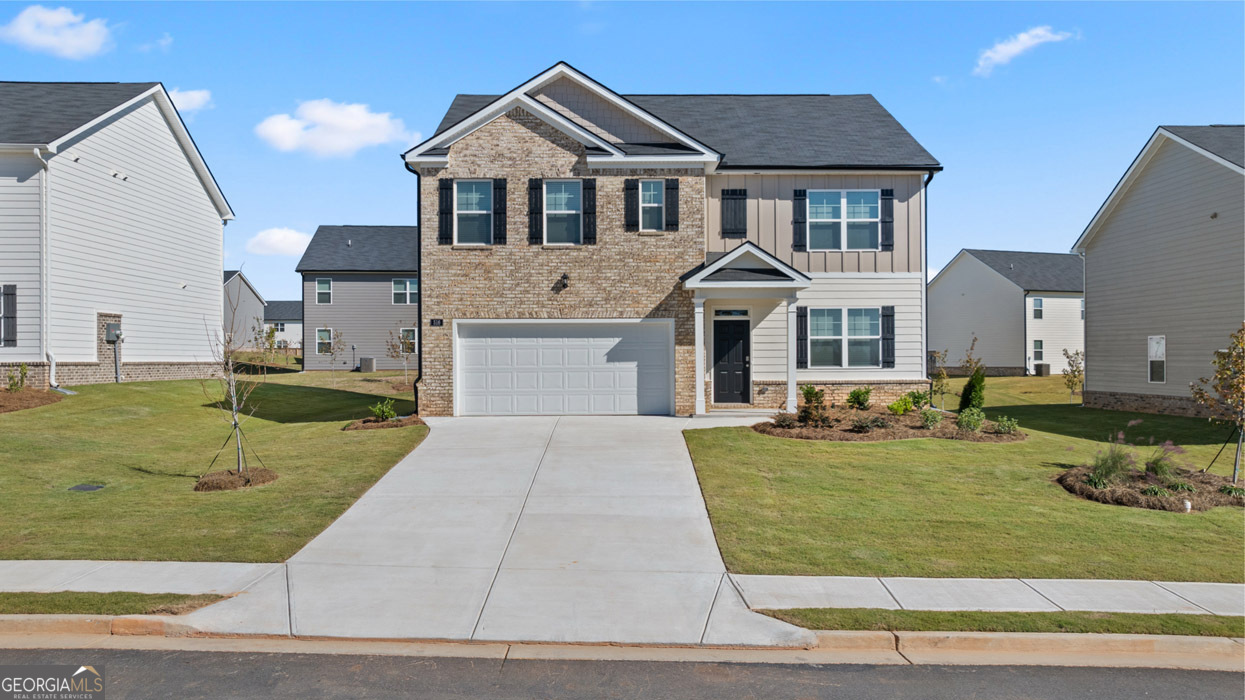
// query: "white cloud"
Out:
[59,32]
[163,44]
[278,241]
[188,101]
[1003,52]
[328,128]
[940,79]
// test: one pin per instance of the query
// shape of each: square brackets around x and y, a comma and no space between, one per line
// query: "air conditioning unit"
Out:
[367,364]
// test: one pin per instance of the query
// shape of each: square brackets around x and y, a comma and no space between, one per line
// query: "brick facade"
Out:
[1144,403]
[883,392]
[626,274]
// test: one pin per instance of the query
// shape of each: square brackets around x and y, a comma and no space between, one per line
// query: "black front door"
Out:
[731,353]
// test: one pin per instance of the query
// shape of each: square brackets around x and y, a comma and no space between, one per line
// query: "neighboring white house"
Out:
[243,309]
[1165,270]
[287,318]
[1024,308]
[108,214]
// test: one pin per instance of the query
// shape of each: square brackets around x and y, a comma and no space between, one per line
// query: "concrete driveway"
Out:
[572,529]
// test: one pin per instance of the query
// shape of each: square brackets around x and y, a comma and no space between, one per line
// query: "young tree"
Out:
[1074,373]
[971,363]
[940,379]
[400,347]
[265,340]
[337,346]
[1224,392]
[230,391]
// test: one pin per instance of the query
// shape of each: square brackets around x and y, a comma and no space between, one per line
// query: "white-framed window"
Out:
[324,341]
[564,212]
[409,338]
[845,337]
[283,344]
[473,212]
[1038,353]
[1156,346]
[324,290]
[1037,308]
[279,326]
[652,205]
[406,291]
[844,219]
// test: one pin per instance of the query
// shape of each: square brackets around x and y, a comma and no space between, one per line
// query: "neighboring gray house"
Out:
[361,282]
[286,317]
[1024,308]
[108,214]
[1165,270]
[243,309]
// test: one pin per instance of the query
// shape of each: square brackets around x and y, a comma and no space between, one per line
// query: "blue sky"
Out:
[1032,142]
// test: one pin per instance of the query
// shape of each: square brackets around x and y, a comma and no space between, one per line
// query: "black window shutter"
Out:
[888,337]
[499,211]
[8,324]
[445,211]
[801,337]
[888,220]
[590,211]
[536,211]
[799,221]
[734,213]
[672,204]
[631,205]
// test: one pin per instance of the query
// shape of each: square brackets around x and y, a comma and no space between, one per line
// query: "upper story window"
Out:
[829,345]
[279,326]
[843,219]
[473,212]
[563,212]
[324,290]
[406,291]
[1037,308]
[652,205]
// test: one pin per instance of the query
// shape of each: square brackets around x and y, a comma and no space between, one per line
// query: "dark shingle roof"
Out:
[362,249]
[1039,272]
[40,113]
[228,275]
[284,310]
[773,131]
[1224,140]
[737,274]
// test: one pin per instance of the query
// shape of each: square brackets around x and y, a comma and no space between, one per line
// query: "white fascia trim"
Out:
[865,275]
[626,161]
[1218,159]
[839,171]
[556,321]
[747,285]
[23,148]
[748,246]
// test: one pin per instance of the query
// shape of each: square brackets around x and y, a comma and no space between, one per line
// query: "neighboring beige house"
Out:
[242,310]
[286,320]
[1024,308]
[1165,270]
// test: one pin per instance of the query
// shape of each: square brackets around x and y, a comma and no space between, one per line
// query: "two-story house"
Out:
[285,319]
[584,251]
[243,310]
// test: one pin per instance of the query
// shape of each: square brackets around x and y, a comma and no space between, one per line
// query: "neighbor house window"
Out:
[1157,347]
[279,327]
[652,205]
[409,339]
[1037,307]
[473,212]
[283,344]
[406,291]
[563,211]
[324,341]
[324,290]
[1082,309]
[843,219]
[858,341]
[1037,351]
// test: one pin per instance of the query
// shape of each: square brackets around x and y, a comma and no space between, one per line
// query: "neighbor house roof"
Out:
[362,249]
[284,310]
[230,274]
[1036,272]
[1224,140]
[769,131]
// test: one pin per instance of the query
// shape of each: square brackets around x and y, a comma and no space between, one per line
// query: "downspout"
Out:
[925,286]
[1084,325]
[43,273]
[419,303]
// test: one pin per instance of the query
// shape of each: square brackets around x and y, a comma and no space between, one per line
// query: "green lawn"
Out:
[147,442]
[959,509]
[75,603]
[1073,622]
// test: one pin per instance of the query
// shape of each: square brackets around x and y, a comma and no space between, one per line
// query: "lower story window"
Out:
[324,341]
[1158,358]
[409,340]
[282,344]
[854,335]
[1037,351]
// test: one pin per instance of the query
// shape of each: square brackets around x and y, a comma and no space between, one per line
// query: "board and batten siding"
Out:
[145,243]
[364,312]
[769,207]
[904,293]
[969,299]
[243,312]
[21,182]
[1059,329]
[1161,265]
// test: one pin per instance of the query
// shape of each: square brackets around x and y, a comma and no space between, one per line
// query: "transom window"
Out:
[324,341]
[324,290]
[1037,308]
[859,341]
[730,313]
[473,212]
[408,339]
[563,212]
[406,291]
[1038,353]
[1157,350]
[652,205]
[843,219]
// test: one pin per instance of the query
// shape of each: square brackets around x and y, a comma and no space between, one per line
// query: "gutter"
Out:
[419,269]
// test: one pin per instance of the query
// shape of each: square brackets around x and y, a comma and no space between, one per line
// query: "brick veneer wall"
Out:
[883,392]
[1144,403]
[626,274]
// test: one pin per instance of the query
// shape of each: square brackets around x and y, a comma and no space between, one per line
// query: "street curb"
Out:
[1127,650]
[56,624]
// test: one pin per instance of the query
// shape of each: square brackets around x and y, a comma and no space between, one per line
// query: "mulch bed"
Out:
[26,398]
[905,427]
[376,424]
[232,480]
[1129,492]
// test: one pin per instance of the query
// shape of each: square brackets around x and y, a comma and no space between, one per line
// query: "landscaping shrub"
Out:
[786,420]
[1153,490]
[970,419]
[930,418]
[17,379]
[383,410]
[1232,490]
[900,406]
[866,424]
[1177,486]
[974,394]
[1162,462]
[920,399]
[859,397]
[813,411]
[1111,465]
[1006,426]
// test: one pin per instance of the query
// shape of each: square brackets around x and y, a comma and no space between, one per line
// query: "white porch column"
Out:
[791,388]
[699,305]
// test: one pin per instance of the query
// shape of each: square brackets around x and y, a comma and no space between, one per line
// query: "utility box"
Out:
[112,331]
[367,364]
[1041,369]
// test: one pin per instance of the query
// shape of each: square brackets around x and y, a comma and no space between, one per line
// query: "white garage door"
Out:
[564,368]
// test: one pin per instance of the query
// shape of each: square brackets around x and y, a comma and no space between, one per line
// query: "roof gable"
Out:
[230,274]
[284,310]
[747,265]
[1035,272]
[40,113]
[362,249]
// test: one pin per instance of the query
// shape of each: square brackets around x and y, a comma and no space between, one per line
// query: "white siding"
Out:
[1161,265]
[904,293]
[293,334]
[243,311]
[970,299]
[1059,329]
[769,334]
[147,247]
[21,179]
